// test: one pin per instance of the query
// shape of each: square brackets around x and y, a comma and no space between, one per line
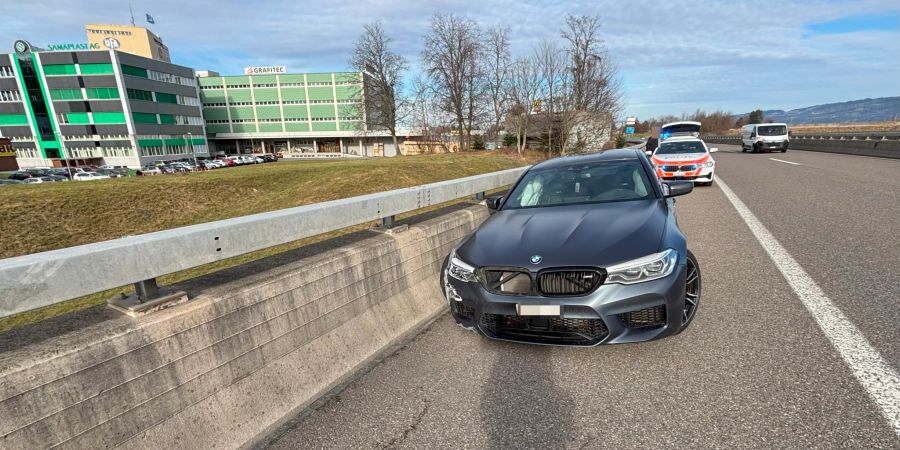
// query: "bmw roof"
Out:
[605,155]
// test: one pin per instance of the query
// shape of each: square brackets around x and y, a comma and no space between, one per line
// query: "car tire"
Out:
[784,150]
[693,285]
[743,148]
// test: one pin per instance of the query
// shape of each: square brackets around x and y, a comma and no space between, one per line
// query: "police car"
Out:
[684,158]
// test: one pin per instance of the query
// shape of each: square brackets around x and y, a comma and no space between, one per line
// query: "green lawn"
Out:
[49,216]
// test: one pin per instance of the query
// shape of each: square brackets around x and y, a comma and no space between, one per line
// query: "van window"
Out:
[772,130]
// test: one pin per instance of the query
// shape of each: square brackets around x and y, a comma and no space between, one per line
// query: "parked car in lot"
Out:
[89,176]
[150,170]
[6,181]
[584,250]
[20,176]
[38,180]
[113,173]
[684,158]
[268,157]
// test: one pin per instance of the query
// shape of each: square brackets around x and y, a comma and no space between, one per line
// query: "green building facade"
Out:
[97,107]
[296,114]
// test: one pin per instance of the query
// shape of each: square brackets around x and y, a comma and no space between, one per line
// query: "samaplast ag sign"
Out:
[72,46]
[267,70]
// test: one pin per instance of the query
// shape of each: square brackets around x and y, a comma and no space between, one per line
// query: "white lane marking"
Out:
[878,378]
[786,162]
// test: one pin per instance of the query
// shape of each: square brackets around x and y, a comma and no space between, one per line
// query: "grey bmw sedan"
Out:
[583,250]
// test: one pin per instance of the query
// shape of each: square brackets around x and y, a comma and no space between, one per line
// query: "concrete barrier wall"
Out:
[236,361]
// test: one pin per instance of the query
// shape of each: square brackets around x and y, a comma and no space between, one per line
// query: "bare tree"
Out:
[550,60]
[383,77]
[525,85]
[497,66]
[451,58]
[592,90]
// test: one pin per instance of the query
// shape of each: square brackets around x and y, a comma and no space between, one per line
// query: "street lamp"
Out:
[62,150]
[191,142]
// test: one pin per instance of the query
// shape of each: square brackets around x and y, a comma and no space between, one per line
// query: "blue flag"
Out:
[150,18]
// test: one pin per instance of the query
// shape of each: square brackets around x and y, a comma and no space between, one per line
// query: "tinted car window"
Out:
[600,182]
[674,148]
[772,130]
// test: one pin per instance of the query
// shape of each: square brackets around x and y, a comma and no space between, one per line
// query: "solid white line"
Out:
[786,162]
[874,374]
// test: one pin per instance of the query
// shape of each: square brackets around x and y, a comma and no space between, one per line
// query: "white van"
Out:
[758,137]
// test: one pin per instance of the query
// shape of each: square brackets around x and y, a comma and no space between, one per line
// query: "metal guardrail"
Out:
[861,136]
[42,279]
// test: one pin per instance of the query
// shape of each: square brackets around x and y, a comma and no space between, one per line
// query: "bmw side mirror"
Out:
[493,203]
[713,149]
[676,188]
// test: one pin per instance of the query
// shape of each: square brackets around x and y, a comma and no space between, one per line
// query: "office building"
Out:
[296,114]
[98,107]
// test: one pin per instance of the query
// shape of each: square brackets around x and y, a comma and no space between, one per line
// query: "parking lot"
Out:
[94,173]
[758,368]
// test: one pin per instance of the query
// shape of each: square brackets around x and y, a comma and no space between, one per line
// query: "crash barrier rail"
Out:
[43,279]
[881,144]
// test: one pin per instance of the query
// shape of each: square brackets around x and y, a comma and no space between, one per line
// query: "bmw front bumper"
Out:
[611,314]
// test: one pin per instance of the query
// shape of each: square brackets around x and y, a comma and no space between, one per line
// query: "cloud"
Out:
[674,55]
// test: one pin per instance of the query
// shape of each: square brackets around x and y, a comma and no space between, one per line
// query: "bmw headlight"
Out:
[709,163]
[652,267]
[461,270]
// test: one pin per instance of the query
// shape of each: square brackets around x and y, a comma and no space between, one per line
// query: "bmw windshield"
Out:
[608,181]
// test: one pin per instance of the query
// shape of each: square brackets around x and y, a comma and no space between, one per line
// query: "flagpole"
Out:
[131,11]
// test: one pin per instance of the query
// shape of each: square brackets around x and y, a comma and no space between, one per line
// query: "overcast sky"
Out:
[674,56]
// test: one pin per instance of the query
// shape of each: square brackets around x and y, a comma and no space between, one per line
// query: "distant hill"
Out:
[866,110]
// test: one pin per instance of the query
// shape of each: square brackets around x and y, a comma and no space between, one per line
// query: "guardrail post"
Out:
[388,222]
[479,196]
[146,290]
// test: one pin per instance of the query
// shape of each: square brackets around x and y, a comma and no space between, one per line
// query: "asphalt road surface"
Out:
[796,343]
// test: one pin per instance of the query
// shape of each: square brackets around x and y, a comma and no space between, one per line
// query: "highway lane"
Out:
[754,369]
[839,216]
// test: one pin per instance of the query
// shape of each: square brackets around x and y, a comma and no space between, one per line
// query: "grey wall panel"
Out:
[23,145]
[105,105]
[112,129]
[57,58]
[12,108]
[76,130]
[99,81]
[181,129]
[18,130]
[8,84]
[108,144]
[92,57]
[67,82]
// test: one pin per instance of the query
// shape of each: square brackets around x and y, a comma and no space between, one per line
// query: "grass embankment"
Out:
[44,217]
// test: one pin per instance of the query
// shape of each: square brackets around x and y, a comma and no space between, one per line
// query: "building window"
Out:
[167,119]
[163,97]
[140,117]
[10,96]
[102,93]
[134,71]
[66,94]
[95,69]
[59,69]
[6,71]
[137,94]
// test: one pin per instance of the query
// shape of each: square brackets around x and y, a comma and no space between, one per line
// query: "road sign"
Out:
[629,130]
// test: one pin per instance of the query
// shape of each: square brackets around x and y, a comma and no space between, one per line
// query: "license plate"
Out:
[678,174]
[537,310]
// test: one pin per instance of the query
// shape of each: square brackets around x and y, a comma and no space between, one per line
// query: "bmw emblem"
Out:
[536,259]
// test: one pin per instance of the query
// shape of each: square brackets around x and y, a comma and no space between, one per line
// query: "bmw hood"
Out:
[575,235]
